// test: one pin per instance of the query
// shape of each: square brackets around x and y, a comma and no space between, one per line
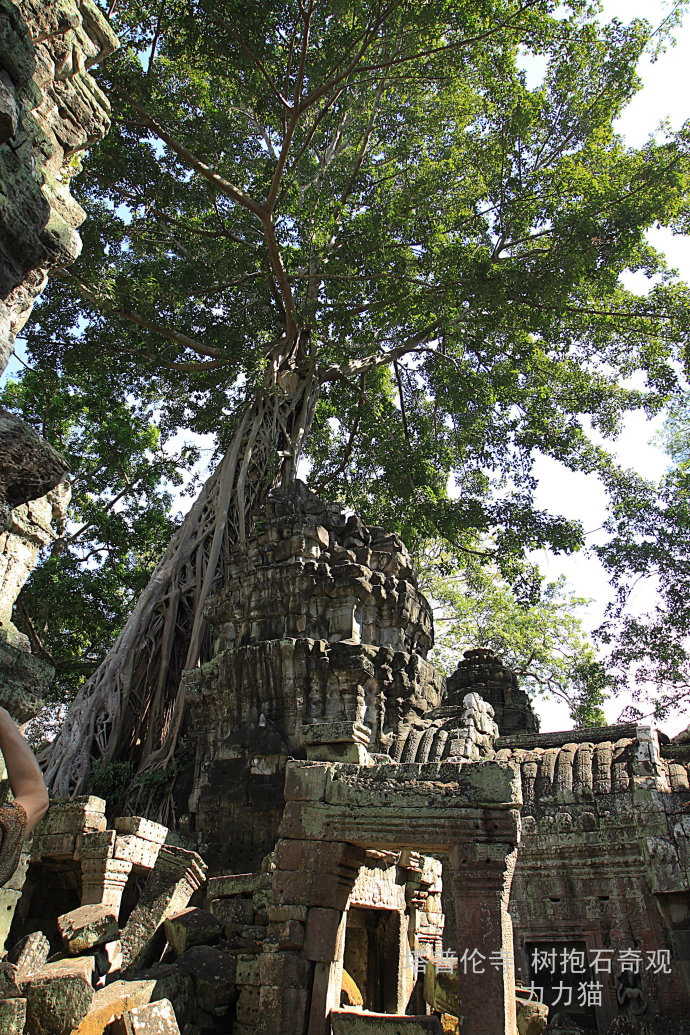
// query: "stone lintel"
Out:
[433,828]
[428,786]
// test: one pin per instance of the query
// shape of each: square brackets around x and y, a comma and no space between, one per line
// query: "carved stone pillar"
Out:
[170,885]
[103,880]
[481,876]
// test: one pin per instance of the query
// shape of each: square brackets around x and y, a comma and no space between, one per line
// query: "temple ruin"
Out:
[359,847]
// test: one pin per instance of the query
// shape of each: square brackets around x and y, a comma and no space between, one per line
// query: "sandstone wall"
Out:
[50,110]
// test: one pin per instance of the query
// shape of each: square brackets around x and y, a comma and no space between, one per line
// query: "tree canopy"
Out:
[647,554]
[385,236]
[539,636]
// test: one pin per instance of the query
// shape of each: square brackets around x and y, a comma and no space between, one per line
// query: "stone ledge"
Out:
[588,735]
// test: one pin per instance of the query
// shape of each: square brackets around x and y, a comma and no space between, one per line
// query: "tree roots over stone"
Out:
[133,707]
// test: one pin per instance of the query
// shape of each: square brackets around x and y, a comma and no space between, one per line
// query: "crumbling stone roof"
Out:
[577,771]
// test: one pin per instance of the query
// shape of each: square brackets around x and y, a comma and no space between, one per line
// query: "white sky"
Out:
[664,96]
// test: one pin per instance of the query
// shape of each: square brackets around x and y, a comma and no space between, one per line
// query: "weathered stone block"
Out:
[352,753]
[172,882]
[312,856]
[112,1001]
[236,884]
[154,1019]
[286,935]
[94,844]
[233,910]
[532,1017]
[335,733]
[285,970]
[192,926]
[12,1016]
[144,828]
[59,997]
[277,914]
[175,984]
[291,887]
[9,981]
[54,846]
[305,781]
[30,953]
[77,816]
[284,1009]
[213,973]
[247,1010]
[87,927]
[247,938]
[136,850]
[320,934]
[248,970]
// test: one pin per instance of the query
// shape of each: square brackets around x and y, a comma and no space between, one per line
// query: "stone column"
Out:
[314,879]
[481,877]
[103,880]
[171,883]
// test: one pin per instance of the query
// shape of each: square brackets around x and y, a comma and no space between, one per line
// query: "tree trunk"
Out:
[132,708]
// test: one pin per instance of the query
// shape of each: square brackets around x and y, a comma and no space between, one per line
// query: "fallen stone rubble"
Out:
[85,989]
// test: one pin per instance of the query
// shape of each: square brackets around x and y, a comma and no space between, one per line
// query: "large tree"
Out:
[539,635]
[647,556]
[362,233]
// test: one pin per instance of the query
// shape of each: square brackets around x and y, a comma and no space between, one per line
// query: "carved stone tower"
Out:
[320,621]
[482,672]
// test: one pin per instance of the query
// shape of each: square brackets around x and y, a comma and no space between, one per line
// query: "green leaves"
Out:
[123,470]
[647,555]
[539,636]
[356,184]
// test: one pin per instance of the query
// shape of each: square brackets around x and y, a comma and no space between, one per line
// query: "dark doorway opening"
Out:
[372,956]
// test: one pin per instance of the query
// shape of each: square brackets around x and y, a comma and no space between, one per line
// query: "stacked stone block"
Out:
[320,621]
[50,110]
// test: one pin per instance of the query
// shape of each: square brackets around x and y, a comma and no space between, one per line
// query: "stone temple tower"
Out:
[320,620]
[482,672]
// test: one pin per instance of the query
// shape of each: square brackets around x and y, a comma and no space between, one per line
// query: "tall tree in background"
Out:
[352,232]
[647,555]
[538,635]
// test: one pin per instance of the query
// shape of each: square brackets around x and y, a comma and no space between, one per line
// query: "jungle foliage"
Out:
[386,237]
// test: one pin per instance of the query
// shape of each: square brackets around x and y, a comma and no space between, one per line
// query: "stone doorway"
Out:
[337,812]
[371,956]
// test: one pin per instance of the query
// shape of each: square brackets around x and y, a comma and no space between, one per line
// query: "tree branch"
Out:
[157,34]
[403,412]
[258,64]
[165,332]
[296,112]
[379,359]
[350,442]
[191,160]
[33,635]
[281,276]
